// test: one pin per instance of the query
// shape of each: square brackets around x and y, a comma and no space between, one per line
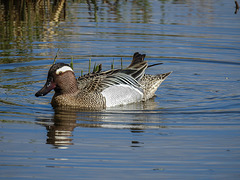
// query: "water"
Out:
[190,130]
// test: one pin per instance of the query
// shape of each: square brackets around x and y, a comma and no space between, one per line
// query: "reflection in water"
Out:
[133,117]
[60,128]
[26,22]
[60,133]
[136,144]
[30,27]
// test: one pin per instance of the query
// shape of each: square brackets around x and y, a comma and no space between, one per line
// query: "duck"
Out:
[102,89]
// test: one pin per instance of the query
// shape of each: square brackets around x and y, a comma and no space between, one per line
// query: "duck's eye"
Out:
[48,84]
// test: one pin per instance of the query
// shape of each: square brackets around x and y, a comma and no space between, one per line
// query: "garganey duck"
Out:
[101,89]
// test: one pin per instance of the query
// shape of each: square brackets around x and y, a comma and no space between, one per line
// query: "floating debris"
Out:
[158,169]
[236,7]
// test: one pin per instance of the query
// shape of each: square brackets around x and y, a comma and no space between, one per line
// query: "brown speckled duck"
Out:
[101,89]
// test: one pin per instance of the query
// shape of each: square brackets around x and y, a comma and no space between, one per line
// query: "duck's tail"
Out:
[137,67]
[137,59]
[150,83]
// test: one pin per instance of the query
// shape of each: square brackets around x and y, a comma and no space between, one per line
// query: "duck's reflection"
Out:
[64,121]
[60,133]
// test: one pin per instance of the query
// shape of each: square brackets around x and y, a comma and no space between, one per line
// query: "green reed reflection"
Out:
[25,22]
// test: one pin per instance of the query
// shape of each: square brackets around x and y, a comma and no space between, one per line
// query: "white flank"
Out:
[63,69]
[121,94]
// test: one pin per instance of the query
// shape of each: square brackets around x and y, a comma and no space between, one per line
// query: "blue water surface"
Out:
[189,130]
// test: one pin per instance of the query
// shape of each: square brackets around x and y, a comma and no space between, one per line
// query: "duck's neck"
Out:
[67,84]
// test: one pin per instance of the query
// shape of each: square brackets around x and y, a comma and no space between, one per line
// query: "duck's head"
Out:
[61,78]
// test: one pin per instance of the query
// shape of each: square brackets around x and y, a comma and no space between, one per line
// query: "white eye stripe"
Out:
[63,69]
